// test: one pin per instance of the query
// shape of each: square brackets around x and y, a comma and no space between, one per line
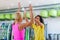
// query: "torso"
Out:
[38,32]
[18,34]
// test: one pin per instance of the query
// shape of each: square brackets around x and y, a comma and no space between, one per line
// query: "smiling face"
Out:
[37,19]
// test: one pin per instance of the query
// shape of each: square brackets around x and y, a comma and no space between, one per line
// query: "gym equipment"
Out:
[27,33]
[5,31]
[3,34]
[12,16]
[28,15]
[44,13]
[53,36]
[9,32]
[31,34]
[53,13]
[7,16]
[45,31]
[58,12]
[1,16]
[58,36]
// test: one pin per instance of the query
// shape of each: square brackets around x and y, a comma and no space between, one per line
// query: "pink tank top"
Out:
[18,34]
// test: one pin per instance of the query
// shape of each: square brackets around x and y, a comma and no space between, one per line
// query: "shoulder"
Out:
[33,24]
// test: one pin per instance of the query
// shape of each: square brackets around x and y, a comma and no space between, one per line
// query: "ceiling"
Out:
[7,4]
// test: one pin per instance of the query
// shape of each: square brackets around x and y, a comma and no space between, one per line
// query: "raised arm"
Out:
[31,15]
[26,19]
[22,26]
[18,13]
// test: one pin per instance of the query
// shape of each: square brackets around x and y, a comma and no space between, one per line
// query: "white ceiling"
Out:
[6,4]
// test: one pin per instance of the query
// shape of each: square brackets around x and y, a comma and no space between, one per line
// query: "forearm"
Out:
[31,13]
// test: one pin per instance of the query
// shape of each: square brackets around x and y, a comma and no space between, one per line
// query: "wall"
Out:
[53,25]
[6,4]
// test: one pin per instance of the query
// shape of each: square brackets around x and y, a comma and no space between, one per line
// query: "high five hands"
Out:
[22,26]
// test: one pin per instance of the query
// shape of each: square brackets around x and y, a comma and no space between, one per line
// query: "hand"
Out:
[30,7]
[18,14]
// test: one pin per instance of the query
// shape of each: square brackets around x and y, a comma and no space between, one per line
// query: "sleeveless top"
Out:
[38,32]
[18,34]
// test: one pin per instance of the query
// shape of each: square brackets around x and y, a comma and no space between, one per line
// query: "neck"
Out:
[17,21]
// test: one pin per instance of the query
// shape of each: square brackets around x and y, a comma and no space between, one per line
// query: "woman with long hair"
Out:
[38,27]
[18,27]
[37,24]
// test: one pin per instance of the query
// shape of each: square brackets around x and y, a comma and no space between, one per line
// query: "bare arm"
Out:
[22,26]
[31,15]
[27,23]
[26,19]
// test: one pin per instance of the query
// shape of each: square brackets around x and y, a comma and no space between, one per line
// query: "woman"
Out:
[38,25]
[18,27]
